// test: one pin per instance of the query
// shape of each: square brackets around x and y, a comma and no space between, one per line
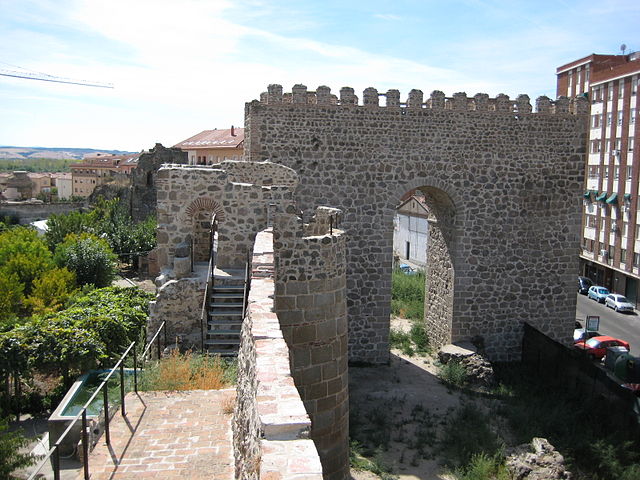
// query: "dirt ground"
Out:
[415,403]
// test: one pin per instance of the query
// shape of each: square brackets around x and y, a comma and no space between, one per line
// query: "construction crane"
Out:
[51,78]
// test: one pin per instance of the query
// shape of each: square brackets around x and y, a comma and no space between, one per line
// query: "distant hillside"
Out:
[21,153]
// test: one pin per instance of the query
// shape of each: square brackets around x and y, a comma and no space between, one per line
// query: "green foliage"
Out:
[24,254]
[10,444]
[407,295]
[468,433]
[453,373]
[412,342]
[59,226]
[110,220]
[11,297]
[484,467]
[89,257]
[93,331]
[375,465]
[51,290]
[37,164]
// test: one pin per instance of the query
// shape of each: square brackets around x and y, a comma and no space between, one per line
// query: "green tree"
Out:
[24,254]
[11,296]
[59,226]
[10,444]
[51,290]
[89,257]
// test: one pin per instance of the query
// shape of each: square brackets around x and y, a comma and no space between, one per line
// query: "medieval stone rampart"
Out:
[239,193]
[311,305]
[503,183]
[270,424]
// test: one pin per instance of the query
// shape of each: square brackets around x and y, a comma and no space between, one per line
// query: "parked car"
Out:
[580,334]
[597,293]
[596,347]
[407,269]
[618,302]
[584,284]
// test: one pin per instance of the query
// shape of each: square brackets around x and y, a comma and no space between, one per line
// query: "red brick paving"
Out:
[168,435]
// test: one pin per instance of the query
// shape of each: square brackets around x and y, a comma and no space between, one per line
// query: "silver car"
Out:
[618,302]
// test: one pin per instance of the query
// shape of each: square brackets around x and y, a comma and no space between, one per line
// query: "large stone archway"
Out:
[511,179]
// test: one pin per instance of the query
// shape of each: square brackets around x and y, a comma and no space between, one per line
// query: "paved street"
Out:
[625,326]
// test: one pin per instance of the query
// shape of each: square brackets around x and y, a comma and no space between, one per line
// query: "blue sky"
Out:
[180,67]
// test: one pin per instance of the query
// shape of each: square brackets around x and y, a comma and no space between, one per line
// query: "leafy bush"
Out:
[11,297]
[51,290]
[453,373]
[484,467]
[89,257]
[24,254]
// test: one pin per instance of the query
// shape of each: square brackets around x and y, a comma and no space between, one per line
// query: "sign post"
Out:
[593,323]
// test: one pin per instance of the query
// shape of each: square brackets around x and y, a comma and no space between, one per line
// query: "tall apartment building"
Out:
[97,170]
[610,246]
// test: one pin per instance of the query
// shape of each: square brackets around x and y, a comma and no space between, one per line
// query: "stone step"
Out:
[230,341]
[223,332]
[225,313]
[226,305]
[222,295]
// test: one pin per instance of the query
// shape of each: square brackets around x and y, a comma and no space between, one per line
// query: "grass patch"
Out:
[407,295]
[466,434]
[374,465]
[483,467]
[189,371]
[453,374]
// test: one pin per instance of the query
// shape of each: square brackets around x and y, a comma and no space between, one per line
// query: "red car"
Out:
[596,347]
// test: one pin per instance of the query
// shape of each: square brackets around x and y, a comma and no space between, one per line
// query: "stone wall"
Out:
[179,303]
[270,424]
[239,193]
[143,195]
[27,212]
[311,305]
[507,182]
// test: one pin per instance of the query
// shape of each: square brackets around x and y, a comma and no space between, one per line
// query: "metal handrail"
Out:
[54,452]
[247,283]
[204,314]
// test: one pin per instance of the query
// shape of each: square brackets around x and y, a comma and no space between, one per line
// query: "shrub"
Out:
[89,257]
[453,373]
[407,295]
[51,290]
[483,467]
[24,254]
[11,297]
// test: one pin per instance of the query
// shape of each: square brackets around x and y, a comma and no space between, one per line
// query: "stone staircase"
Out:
[225,305]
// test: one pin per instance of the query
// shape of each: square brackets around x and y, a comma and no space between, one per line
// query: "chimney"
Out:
[233,134]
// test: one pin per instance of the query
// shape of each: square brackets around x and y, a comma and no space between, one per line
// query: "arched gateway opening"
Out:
[424,234]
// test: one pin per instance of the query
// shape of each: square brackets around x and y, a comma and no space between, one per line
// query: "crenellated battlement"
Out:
[480,102]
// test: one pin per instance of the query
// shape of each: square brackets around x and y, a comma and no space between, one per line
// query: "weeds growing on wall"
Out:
[189,371]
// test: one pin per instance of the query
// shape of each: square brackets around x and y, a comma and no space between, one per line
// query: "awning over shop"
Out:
[613,199]
[602,197]
[627,197]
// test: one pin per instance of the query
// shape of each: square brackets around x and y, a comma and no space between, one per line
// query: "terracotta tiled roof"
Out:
[107,161]
[224,138]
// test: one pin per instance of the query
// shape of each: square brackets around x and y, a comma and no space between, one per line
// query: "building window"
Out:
[587,70]
[623,255]
[590,221]
[620,118]
[620,88]
[616,172]
[602,223]
[595,146]
[636,259]
[630,145]
[632,116]
[609,119]
[634,85]
[625,229]
[606,171]
[612,251]
[596,120]
[610,91]
[618,145]
[638,232]
[593,171]
[629,172]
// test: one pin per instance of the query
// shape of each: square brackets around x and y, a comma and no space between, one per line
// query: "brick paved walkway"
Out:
[168,435]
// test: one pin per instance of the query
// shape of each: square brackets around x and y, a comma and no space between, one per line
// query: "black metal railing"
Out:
[54,452]
[247,283]
[213,251]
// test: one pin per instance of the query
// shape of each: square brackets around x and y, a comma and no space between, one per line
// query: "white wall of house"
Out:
[410,236]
